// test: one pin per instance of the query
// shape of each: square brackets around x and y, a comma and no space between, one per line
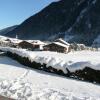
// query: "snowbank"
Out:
[72,61]
[96,42]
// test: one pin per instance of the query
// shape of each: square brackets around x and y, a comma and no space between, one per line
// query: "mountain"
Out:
[73,20]
[8,29]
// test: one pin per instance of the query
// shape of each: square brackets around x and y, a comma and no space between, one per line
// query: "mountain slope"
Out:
[79,18]
[8,29]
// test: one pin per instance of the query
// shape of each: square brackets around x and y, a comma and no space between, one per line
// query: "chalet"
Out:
[57,47]
[26,45]
[38,45]
[6,44]
[8,40]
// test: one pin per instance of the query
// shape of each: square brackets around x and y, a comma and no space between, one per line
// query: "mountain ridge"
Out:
[8,29]
[76,18]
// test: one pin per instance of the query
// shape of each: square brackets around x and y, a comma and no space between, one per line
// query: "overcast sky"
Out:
[14,12]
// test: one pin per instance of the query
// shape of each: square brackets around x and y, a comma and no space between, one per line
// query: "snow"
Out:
[13,40]
[60,44]
[68,37]
[3,37]
[82,13]
[36,42]
[94,1]
[11,67]
[80,2]
[96,42]
[56,0]
[72,61]
[89,25]
[62,41]
[22,83]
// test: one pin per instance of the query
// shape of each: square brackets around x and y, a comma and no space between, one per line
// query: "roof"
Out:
[16,41]
[36,42]
[13,40]
[23,41]
[62,41]
[59,44]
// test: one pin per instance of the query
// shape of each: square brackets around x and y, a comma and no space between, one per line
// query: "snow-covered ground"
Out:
[13,40]
[72,61]
[20,83]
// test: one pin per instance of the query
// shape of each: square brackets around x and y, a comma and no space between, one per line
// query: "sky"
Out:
[14,12]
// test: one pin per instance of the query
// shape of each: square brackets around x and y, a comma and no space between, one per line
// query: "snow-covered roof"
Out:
[13,40]
[36,42]
[3,37]
[60,44]
[16,41]
[62,41]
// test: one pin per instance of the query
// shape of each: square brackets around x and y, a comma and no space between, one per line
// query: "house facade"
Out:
[31,45]
[26,45]
[57,47]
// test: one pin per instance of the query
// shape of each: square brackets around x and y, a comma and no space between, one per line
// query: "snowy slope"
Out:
[97,41]
[13,40]
[20,83]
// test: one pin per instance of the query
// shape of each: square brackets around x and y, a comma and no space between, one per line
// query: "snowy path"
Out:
[20,83]
[8,68]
